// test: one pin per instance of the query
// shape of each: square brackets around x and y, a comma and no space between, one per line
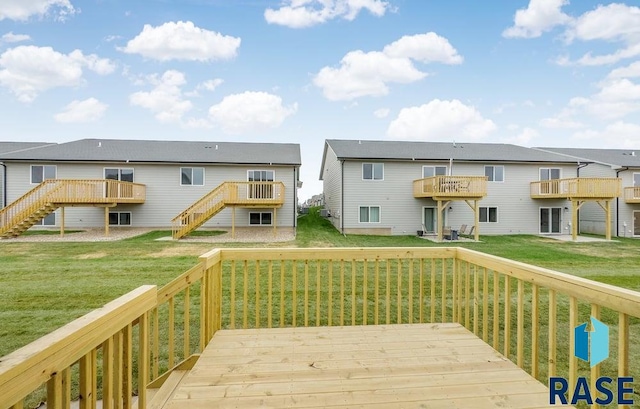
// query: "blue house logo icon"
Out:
[592,346]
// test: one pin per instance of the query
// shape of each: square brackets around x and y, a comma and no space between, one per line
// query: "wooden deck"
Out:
[450,187]
[383,366]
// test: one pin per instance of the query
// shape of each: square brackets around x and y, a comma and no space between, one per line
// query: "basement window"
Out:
[260,218]
[119,218]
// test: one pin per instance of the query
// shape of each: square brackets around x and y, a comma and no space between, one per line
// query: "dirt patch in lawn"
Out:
[183,250]
[91,256]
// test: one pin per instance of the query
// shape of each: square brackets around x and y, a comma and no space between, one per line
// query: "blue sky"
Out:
[532,72]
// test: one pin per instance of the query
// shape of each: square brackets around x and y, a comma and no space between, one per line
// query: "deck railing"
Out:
[587,188]
[70,191]
[450,186]
[632,194]
[526,312]
[249,194]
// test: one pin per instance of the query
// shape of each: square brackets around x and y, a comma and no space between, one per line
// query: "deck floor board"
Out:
[386,366]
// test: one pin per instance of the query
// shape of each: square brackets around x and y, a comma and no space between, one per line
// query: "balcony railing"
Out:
[578,188]
[451,186]
[632,194]
[526,312]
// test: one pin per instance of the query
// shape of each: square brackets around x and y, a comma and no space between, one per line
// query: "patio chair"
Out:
[463,229]
[446,232]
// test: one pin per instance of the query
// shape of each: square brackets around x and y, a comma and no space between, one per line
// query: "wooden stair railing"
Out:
[27,210]
[247,194]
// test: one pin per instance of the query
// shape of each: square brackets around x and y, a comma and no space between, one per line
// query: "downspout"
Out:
[342,198]
[580,166]
[295,197]
[618,205]
[4,185]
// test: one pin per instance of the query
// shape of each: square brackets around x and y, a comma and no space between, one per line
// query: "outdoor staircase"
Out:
[242,194]
[51,194]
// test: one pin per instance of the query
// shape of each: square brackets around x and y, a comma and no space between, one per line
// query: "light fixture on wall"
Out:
[450,208]
[566,209]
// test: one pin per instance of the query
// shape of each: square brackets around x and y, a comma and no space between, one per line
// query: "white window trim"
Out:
[262,170]
[489,222]
[494,173]
[561,218]
[633,230]
[424,224]
[446,170]
[124,225]
[104,170]
[31,182]
[260,224]
[370,206]
[372,172]
[192,168]
[540,178]
[633,179]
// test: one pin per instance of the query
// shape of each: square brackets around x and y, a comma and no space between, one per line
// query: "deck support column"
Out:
[442,206]
[275,221]
[62,221]
[476,218]
[106,221]
[574,219]
[608,219]
[233,222]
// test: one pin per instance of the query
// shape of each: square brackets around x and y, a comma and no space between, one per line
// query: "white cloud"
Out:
[438,120]
[523,138]
[21,10]
[182,41]
[30,70]
[616,135]
[616,98]
[630,71]
[14,38]
[249,111]
[89,110]
[307,13]
[538,17]
[558,122]
[381,113]
[369,73]
[165,100]
[211,85]
[426,48]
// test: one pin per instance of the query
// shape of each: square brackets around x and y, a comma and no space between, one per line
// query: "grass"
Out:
[45,285]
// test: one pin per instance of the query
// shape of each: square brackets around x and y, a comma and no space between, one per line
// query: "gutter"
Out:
[618,205]
[4,185]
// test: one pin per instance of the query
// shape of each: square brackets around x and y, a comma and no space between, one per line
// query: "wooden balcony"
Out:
[632,194]
[577,188]
[451,187]
[254,194]
[218,335]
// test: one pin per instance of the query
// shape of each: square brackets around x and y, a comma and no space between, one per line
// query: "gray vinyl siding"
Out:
[1,186]
[165,197]
[592,216]
[402,213]
[625,214]
[332,187]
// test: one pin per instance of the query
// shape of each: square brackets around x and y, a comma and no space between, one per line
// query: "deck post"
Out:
[275,221]
[62,221]
[476,219]
[106,221]
[608,219]
[233,222]
[440,219]
[574,219]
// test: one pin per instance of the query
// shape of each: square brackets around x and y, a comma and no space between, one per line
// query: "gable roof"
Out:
[400,150]
[7,147]
[117,150]
[613,157]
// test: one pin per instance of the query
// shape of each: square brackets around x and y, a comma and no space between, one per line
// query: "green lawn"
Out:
[45,285]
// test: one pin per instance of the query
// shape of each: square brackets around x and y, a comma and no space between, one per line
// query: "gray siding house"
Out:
[9,147]
[370,187]
[608,163]
[174,176]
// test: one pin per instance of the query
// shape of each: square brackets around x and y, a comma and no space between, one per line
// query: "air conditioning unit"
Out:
[324,213]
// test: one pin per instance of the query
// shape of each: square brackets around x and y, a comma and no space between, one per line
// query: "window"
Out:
[369,214]
[40,173]
[488,215]
[549,173]
[192,176]
[260,218]
[260,190]
[49,220]
[494,173]
[120,218]
[123,175]
[430,171]
[373,171]
[636,180]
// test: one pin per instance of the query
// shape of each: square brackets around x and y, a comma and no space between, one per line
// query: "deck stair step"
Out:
[163,395]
